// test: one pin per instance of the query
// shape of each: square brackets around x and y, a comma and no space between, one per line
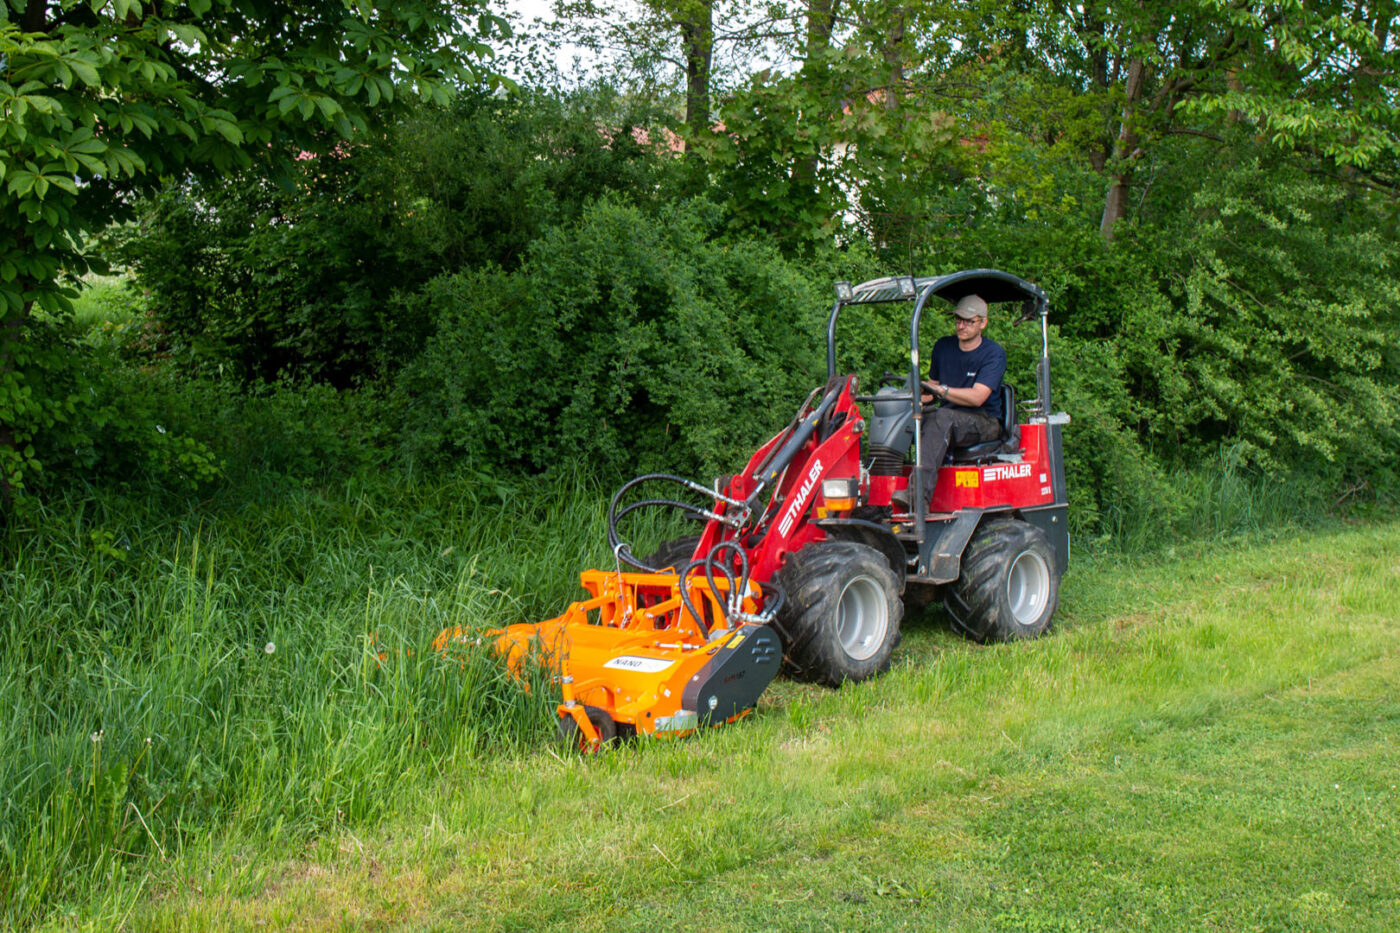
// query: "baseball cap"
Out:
[970,306]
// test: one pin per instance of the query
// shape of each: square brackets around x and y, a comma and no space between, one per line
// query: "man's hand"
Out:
[931,391]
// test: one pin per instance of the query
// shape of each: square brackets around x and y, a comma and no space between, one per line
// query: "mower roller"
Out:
[804,560]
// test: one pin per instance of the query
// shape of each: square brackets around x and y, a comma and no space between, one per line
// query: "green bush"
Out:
[627,340]
[516,287]
[1289,309]
[105,421]
[314,276]
[151,427]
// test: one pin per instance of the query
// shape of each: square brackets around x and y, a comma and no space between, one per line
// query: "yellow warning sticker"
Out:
[735,641]
[967,478]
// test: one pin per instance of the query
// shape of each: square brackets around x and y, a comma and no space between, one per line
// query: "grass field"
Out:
[1209,740]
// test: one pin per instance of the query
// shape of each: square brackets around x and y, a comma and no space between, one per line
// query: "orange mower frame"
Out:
[633,658]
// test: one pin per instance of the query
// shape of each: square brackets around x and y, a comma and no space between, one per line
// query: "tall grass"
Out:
[265,667]
[107,303]
[1220,498]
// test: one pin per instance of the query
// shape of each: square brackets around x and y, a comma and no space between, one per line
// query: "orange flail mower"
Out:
[641,657]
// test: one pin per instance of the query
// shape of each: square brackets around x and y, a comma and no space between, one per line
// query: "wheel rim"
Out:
[862,618]
[1027,587]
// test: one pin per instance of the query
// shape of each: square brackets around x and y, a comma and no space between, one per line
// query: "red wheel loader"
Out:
[804,560]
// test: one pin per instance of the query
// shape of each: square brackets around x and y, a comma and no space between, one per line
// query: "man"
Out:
[965,373]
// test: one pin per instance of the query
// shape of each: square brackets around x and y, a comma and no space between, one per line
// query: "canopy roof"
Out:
[991,285]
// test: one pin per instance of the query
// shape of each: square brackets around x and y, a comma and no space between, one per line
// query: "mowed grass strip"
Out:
[1206,742]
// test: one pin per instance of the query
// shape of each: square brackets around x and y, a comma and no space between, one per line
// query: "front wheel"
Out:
[1009,587]
[842,612]
[572,737]
[673,554]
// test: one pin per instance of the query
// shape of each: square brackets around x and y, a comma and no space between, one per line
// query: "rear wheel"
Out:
[842,612]
[1009,587]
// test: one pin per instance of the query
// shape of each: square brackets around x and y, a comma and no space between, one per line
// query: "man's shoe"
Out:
[900,499]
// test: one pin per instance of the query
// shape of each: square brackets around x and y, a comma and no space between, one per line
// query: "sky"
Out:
[564,52]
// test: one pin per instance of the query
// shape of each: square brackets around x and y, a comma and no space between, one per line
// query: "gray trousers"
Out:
[951,426]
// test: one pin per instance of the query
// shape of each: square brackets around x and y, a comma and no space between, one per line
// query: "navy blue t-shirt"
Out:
[957,369]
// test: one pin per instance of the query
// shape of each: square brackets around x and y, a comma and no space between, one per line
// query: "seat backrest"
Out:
[1010,427]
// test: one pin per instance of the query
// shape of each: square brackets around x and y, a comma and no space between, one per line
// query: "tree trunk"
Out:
[11,332]
[821,20]
[696,20]
[1125,152]
[894,59]
[1092,35]
[1233,82]
[36,16]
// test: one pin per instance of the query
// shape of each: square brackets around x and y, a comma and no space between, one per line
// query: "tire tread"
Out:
[812,578]
[974,602]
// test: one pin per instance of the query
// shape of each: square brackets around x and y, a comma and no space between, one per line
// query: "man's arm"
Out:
[967,398]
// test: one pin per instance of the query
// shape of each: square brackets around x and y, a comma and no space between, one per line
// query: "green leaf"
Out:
[21,182]
[41,104]
[85,72]
[229,132]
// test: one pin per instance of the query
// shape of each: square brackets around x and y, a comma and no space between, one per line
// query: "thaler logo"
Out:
[1006,471]
[794,510]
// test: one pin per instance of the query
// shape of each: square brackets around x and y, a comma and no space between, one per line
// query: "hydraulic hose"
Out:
[623,550]
[615,542]
[713,564]
[736,591]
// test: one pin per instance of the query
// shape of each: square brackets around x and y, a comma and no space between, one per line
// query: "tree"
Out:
[849,134]
[1316,78]
[697,48]
[102,99]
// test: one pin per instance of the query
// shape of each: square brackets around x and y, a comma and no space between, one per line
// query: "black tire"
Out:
[572,736]
[1009,587]
[842,614]
[673,553]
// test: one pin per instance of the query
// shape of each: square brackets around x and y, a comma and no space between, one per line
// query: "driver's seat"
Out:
[1008,443]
